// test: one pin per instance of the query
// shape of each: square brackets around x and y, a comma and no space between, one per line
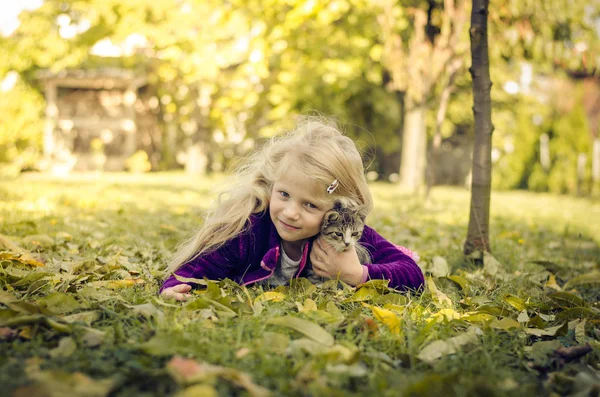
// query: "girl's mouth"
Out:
[288,227]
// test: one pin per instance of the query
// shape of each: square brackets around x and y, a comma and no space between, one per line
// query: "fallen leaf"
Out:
[189,280]
[201,390]
[59,383]
[243,352]
[60,303]
[148,310]
[561,329]
[270,296]
[387,317]
[515,302]
[86,318]
[577,312]
[566,299]
[365,293]
[305,327]
[66,347]
[440,348]
[439,267]
[541,352]
[308,306]
[437,295]
[7,333]
[551,283]
[580,332]
[188,371]
[505,323]
[491,265]
[93,337]
[461,281]
[584,279]
[523,317]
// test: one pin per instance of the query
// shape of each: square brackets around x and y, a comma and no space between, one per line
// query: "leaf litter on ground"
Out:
[79,308]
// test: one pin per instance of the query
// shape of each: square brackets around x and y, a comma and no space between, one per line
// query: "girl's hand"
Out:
[178,292]
[329,263]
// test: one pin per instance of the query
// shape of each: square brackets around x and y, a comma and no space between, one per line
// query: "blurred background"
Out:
[107,85]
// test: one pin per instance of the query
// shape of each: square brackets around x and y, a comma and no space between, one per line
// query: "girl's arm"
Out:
[390,263]
[216,265]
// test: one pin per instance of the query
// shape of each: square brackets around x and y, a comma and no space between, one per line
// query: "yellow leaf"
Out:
[551,283]
[201,389]
[309,305]
[436,294]
[24,257]
[270,296]
[505,323]
[477,317]
[461,281]
[387,317]
[446,314]
[118,284]
[515,302]
[363,294]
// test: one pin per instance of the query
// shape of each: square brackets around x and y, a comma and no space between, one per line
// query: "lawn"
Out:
[81,260]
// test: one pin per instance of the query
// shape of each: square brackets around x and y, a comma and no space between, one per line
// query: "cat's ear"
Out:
[362,215]
[332,216]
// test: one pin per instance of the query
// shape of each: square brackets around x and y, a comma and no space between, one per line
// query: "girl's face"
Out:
[295,211]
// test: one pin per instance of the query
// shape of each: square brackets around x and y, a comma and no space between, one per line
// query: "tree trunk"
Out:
[596,161]
[479,218]
[431,167]
[414,148]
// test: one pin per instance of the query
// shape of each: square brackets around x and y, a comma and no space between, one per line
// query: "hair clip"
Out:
[333,186]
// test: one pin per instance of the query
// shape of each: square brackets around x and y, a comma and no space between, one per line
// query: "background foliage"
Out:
[242,73]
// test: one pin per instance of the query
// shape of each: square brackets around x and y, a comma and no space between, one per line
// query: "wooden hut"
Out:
[95,118]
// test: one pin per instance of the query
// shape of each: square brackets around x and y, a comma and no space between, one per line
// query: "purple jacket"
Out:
[252,256]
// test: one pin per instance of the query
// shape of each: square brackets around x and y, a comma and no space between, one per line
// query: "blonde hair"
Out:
[316,148]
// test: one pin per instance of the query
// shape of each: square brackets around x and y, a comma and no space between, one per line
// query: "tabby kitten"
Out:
[342,227]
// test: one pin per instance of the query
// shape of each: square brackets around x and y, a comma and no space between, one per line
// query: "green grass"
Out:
[79,326]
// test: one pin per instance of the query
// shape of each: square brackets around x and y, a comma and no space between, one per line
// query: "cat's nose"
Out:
[347,244]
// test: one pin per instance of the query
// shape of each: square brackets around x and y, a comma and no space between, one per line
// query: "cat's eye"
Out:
[338,234]
[354,234]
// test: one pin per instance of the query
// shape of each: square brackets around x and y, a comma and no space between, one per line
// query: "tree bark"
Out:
[479,218]
[414,142]
[51,120]
[431,167]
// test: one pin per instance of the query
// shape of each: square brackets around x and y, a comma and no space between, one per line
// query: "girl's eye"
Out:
[284,194]
[311,206]
[338,234]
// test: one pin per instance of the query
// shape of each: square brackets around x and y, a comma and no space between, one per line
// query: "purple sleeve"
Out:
[215,265]
[390,262]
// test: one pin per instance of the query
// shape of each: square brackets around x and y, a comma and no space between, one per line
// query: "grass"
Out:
[89,321]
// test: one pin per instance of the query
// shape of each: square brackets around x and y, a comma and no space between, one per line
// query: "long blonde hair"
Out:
[316,147]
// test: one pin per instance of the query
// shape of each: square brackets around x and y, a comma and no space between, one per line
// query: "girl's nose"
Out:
[291,211]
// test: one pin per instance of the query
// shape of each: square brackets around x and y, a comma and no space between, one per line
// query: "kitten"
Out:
[342,227]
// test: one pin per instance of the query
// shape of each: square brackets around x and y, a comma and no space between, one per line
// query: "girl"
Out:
[263,229]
